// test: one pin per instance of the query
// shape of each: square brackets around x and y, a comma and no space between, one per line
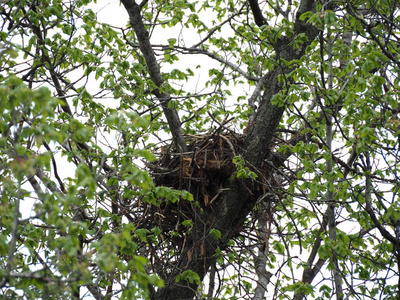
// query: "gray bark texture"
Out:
[239,196]
[260,261]
[142,35]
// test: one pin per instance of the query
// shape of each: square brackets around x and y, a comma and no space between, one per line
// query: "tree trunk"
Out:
[239,196]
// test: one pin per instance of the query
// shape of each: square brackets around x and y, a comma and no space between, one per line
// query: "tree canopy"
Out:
[201,150]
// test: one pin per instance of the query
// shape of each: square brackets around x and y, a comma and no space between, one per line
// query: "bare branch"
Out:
[219,59]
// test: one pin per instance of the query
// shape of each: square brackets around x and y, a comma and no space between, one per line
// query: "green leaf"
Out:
[216,234]
[188,275]
[279,247]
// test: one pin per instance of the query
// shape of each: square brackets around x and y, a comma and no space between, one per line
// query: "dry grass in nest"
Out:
[203,169]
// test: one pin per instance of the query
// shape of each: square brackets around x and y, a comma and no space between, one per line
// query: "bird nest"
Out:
[205,170]
[202,169]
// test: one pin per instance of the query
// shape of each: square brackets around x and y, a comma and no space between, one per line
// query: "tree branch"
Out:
[220,59]
[260,261]
[268,115]
[368,206]
[145,47]
[258,16]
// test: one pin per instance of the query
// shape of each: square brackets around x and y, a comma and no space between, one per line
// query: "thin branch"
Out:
[368,206]
[330,197]
[215,28]
[260,261]
[219,59]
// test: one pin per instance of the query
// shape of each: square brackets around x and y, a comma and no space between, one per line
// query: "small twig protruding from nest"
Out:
[230,144]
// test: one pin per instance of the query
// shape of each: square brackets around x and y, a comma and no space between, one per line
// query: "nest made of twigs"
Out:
[205,169]
[201,170]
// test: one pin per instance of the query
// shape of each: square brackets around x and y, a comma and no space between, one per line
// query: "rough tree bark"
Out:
[260,261]
[238,197]
[142,35]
